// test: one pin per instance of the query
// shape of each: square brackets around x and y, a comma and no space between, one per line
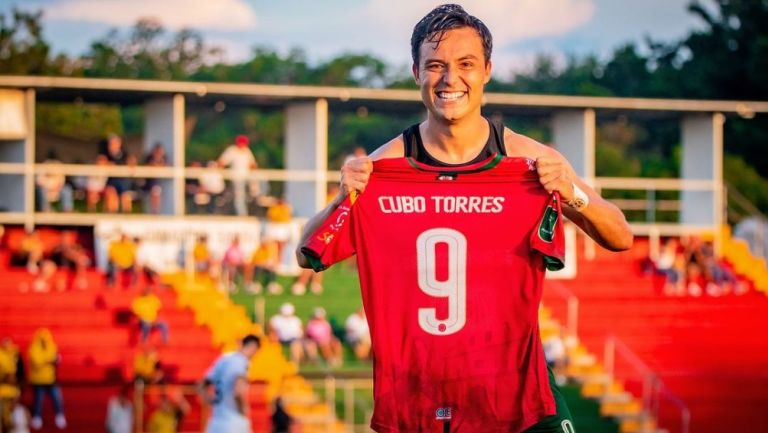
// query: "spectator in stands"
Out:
[320,337]
[121,257]
[51,186]
[289,330]
[11,378]
[70,255]
[120,411]
[261,271]
[146,263]
[46,278]
[43,356]
[147,368]
[118,194]
[211,186]
[201,255]
[671,264]
[239,158]
[19,417]
[278,226]
[147,307]
[166,417]
[95,185]
[152,187]
[358,335]
[232,264]
[281,420]
[30,252]
[308,276]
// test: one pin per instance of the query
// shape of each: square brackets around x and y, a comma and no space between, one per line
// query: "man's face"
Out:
[451,77]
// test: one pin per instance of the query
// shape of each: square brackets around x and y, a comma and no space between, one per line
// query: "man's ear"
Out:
[488,69]
[415,71]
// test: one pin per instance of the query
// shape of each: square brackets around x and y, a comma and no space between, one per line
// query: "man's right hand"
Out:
[355,174]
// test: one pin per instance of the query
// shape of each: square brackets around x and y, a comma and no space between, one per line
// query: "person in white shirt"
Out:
[357,333]
[239,158]
[289,330]
[120,412]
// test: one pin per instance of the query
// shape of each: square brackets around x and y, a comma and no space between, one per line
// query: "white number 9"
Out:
[454,287]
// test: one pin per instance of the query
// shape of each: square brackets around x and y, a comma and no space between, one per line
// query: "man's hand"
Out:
[556,174]
[355,174]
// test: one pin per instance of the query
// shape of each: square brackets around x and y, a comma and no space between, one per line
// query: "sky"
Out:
[522,29]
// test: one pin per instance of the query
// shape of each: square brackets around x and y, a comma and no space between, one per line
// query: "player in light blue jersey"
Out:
[225,387]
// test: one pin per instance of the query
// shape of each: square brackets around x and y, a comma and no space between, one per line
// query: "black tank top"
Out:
[414,146]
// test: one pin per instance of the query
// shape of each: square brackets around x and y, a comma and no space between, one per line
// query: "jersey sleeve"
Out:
[549,237]
[332,242]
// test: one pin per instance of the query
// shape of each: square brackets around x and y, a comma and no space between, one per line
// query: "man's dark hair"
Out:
[446,17]
[250,338]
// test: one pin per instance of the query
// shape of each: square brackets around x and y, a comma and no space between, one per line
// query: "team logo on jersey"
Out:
[547,224]
[443,413]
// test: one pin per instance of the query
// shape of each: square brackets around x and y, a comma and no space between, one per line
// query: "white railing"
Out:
[653,392]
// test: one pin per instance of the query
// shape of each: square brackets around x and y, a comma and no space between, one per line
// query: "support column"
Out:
[306,148]
[573,134]
[164,124]
[702,159]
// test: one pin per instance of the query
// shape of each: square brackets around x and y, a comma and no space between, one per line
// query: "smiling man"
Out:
[450,245]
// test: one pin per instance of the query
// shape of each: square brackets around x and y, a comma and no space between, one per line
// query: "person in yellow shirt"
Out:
[121,257]
[262,268]
[201,255]
[146,307]
[43,359]
[279,224]
[11,375]
[167,417]
[146,365]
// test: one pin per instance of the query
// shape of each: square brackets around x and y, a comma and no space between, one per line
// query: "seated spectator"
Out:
[43,356]
[147,368]
[51,186]
[95,185]
[145,263]
[201,255]
[70,255]
[232,264]
[168,414]
[671,264]
[46,278]
[152,187]
[262,270]
[308,276]
[118,194]
[278,226]
[211,185]
[120,411]
[146,307]
[30,252]
[320,337]
[289,330]
[357,334]
[121,257]
[11,378]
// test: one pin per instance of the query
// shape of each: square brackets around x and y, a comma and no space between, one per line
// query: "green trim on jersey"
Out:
[562,421]
[450,171]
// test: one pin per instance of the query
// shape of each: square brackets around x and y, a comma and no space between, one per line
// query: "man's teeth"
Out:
[450,95]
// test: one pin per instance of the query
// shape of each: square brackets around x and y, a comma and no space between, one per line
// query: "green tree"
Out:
[23,51]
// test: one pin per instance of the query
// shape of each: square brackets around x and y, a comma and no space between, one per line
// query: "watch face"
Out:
[578,202]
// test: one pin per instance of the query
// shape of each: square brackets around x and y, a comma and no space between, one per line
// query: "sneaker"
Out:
[254,288]
[60,421]
[316,288]
[298,289]
[274,288]
[36,423]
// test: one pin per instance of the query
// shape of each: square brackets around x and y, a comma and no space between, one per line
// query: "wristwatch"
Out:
[580,199]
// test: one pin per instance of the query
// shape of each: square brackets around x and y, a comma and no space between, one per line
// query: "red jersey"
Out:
[451,265]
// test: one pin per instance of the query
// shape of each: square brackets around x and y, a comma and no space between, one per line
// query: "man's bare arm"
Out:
[241,396]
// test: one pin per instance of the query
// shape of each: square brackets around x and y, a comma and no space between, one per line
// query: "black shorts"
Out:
[561,422]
